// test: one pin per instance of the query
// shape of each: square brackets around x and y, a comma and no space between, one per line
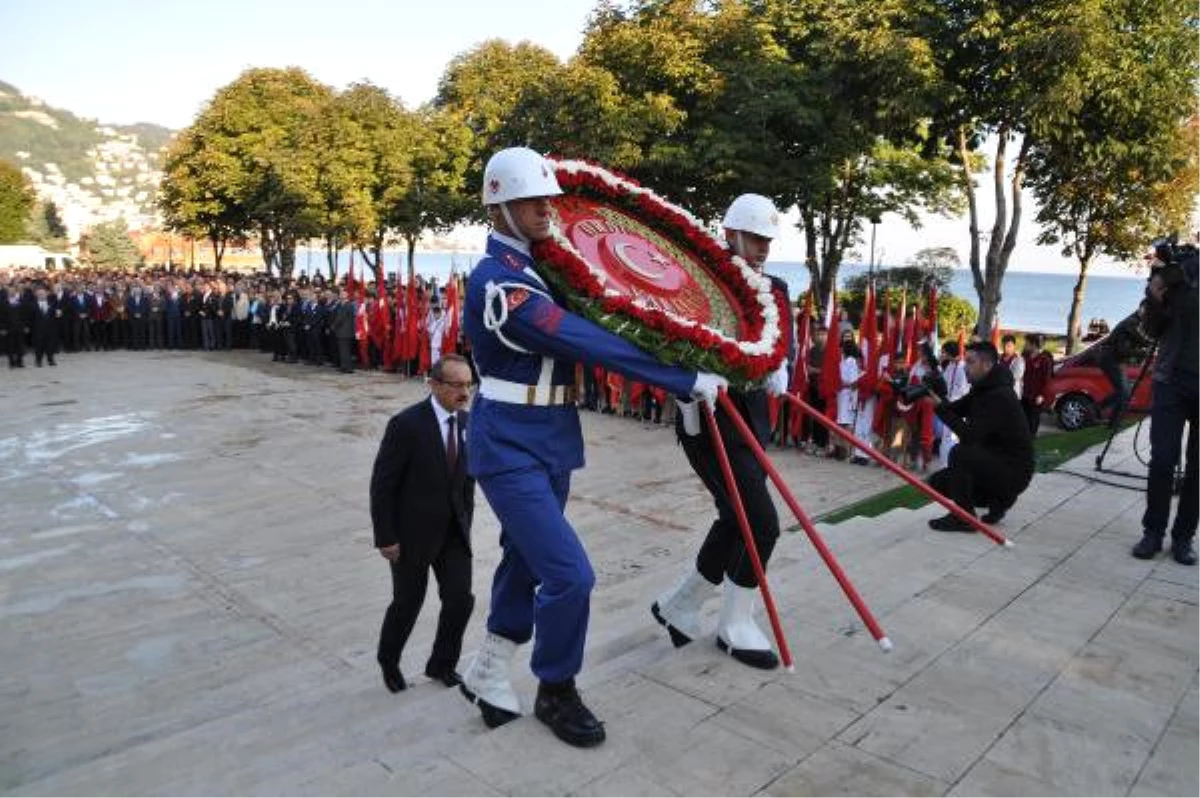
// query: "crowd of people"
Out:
[311,320]
[352,324]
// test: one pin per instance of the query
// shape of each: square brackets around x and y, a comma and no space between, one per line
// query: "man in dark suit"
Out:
[341,326]
[422,503]
[45,315]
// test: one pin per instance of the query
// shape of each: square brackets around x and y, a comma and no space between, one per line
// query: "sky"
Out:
[126,61]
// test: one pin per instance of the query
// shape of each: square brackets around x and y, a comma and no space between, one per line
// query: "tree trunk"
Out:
[218,245]
[1077,306]
[287,254]
[267,243]
[331,254]
[968,182]
[411,240]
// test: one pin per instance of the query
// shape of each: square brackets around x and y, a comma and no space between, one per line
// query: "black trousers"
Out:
[976,477]
[724,551]
[345,348]
[1174,404]
[410,579]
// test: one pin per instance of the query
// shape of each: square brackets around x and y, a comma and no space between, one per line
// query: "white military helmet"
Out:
[753,213]
[517,173]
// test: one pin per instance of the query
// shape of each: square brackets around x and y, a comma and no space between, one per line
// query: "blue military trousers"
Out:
[543,584]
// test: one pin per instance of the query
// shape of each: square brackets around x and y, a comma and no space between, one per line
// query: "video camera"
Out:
[1172,259]
[932,382]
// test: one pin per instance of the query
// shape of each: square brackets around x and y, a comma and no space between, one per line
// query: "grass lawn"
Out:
[1051,450]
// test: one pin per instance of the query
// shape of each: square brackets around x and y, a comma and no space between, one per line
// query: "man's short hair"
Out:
[438,370]
[1008,339]
[985,349]
[1034,339]
[951,348]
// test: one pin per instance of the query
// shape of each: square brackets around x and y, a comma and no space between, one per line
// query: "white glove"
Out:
[689,414]
[777,381]
[706,387]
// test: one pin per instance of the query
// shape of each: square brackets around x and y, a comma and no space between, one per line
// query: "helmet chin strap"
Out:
[512,226]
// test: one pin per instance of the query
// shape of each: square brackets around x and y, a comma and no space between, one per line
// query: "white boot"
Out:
[679,608]
[737,633]
[486,683]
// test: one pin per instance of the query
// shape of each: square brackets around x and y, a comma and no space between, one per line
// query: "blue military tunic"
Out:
[525,440]
[506,436]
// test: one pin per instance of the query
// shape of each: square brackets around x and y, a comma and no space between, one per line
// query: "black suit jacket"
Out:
[415,501]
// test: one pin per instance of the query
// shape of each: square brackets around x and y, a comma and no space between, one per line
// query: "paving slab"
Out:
[189,604]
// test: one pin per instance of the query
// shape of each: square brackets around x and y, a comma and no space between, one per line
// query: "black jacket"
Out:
[990,417]
[415,501]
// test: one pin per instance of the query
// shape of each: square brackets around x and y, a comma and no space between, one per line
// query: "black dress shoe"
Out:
[393,679]
[1149,546]
[560,707]
[448,677]
[950,523]
[1183,552]
[994,516]
[763,659]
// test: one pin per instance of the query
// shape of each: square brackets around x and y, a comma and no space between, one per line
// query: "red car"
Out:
[1077,386]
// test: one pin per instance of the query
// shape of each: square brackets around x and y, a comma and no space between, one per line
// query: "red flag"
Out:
[361,325]
[799,383]
[996,333]
[350,278]
[962,342]
[413,320]
[831,372]
[450,336]
[899,350]
[910,338]
[867,340]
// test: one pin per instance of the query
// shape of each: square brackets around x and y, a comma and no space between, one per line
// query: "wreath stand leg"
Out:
[735,498]
[806,523]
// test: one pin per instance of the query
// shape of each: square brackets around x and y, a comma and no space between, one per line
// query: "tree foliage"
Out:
[16,202]
[1122,170]
[109,247]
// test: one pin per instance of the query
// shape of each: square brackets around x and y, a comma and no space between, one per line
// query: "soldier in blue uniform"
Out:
[750,223]
[524,442]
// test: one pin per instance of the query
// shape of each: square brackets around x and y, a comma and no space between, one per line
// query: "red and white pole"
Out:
[735,498]
[806,523]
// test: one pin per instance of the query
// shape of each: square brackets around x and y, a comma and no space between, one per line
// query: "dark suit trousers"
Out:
[452,567]
[724,551]
[974,477]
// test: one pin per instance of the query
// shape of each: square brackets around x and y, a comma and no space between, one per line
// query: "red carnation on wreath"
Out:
[629,306]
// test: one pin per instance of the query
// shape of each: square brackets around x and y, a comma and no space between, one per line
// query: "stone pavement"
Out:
[189,603]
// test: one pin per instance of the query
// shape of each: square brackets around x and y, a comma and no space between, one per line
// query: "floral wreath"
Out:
[671,337]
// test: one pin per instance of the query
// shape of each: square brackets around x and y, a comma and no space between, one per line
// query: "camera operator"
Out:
[1123,343]
[993,461]
[1170,316]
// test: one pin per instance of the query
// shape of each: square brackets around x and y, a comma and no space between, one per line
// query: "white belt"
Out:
[517,393]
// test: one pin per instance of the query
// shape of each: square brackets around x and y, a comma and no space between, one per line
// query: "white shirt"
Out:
[444,416]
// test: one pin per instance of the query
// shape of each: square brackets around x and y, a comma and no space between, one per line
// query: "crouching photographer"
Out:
[1170,315]
[992,463]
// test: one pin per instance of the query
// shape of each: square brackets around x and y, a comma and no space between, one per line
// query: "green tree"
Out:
[438,195]
[16,201]
[481,87]
[383,135]
[1008,71]
[110,247]
[255,137]
[46,227]
[200,194]
[816,104]
[1122,170]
